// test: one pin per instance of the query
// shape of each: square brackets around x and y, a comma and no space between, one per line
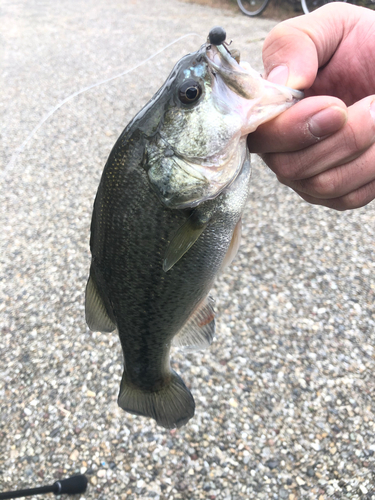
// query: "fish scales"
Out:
[166,220]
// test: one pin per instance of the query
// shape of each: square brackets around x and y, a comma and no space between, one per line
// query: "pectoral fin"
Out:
[97,317]
[184,239]
[199,330]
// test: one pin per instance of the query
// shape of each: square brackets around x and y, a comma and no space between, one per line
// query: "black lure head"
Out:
[217,35]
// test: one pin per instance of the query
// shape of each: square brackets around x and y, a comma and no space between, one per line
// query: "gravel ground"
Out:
[285,396]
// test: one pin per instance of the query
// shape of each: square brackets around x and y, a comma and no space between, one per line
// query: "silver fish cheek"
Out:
[200,131]
[184,182]
[175,183]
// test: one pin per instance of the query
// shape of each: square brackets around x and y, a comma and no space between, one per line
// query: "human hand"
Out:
[324,146]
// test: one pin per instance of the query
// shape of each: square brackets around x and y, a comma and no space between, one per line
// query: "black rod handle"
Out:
[70,486]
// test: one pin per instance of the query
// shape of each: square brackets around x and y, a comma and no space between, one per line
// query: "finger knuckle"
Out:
[284,165]
[357,140]
[359,197]
[326,184]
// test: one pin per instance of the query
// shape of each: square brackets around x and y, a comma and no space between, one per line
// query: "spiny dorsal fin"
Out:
[97,317]
[199,330]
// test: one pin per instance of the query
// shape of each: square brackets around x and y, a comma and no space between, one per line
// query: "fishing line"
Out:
[19,150]
[12,162]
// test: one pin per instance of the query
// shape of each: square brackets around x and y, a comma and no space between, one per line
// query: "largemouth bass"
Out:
[167,219]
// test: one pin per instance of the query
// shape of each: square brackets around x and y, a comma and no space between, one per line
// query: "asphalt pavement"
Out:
[285,395]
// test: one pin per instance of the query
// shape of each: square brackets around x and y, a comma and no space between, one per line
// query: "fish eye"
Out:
[189,92]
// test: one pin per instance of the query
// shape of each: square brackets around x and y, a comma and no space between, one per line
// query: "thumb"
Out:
[295,49]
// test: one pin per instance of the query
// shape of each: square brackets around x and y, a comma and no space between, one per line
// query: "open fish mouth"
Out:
[256,99]
[238,75]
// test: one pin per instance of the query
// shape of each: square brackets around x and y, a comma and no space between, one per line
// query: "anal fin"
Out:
[199,330]
[97,317]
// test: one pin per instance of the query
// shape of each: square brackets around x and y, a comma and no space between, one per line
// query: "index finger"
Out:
[296,48]
[302,125]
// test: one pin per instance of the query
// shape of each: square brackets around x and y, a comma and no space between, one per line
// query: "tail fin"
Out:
[172,406]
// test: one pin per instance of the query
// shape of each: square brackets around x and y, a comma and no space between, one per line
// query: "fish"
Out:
[167,219]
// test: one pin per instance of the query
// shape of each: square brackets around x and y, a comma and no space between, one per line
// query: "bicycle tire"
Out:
[369,4]
[311,5]
[252,13]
